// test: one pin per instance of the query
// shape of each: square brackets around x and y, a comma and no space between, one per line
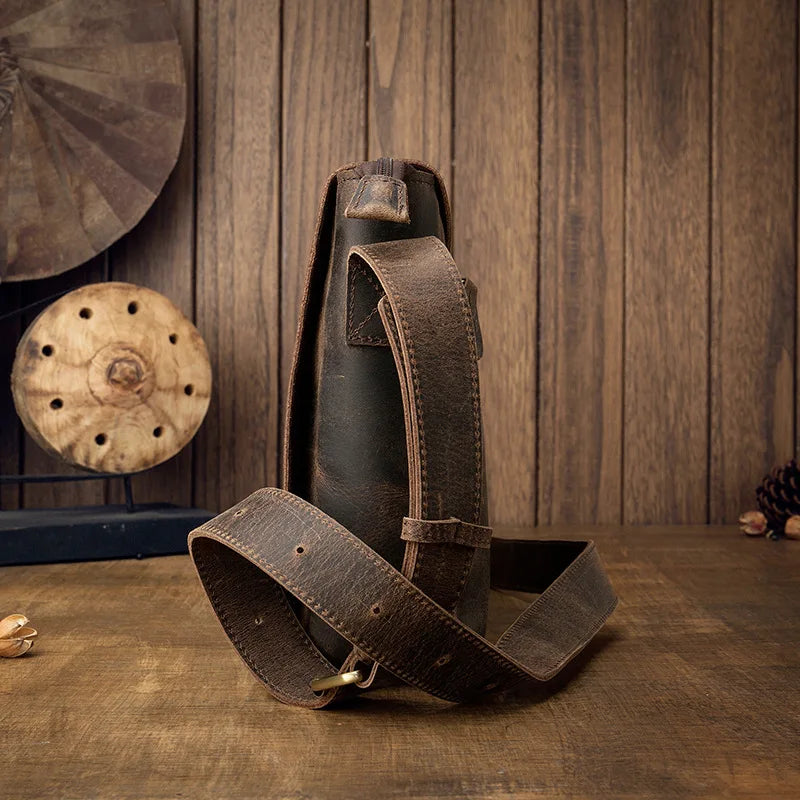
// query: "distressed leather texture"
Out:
[376,553]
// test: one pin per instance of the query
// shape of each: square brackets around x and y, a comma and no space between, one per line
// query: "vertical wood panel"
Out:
[35,460]
[331,101]
[581,262]
[238,191]
[753,277]
[495,199]
[324,127]
[159,253]
[410,81]
[667,263]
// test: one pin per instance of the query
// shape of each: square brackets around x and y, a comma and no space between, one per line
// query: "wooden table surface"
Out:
[691,691]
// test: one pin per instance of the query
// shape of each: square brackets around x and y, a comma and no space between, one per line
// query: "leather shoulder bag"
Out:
[376,553]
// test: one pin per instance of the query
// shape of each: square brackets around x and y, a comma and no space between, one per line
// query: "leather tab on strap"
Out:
[380,197]
[446,531]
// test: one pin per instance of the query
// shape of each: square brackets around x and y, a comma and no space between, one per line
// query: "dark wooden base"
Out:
[87,533]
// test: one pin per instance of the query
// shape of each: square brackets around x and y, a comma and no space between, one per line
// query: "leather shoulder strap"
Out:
[274,542]
[429,325]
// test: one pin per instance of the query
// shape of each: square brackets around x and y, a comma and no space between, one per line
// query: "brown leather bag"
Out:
[376,552]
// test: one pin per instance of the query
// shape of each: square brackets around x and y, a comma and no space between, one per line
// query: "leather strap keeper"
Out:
[446,531]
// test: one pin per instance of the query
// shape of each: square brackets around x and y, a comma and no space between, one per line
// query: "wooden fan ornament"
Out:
[112,377]
[92,109]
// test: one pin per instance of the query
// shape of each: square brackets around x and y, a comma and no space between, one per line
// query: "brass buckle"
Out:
[335,681]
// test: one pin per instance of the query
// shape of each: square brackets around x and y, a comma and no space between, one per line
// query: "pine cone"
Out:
[779,495]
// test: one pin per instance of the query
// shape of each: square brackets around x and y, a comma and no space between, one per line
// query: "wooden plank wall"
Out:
[624,178]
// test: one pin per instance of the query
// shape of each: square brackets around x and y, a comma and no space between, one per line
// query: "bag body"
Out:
[376,552]
[345,449]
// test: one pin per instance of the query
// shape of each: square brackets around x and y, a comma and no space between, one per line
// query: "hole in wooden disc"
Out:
[188,389]
[56,403]
[173,337]
[47,350]
[133,307]
[100,438]
[158,431]
[85,313]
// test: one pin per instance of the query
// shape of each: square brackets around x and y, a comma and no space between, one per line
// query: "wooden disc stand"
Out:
[84,533]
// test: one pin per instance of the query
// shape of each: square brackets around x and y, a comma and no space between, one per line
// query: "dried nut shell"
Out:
[11,624]
[11,648]
[792,528]
[753,523]
[26,633]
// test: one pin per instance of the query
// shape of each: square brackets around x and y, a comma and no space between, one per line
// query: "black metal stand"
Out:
[86,533]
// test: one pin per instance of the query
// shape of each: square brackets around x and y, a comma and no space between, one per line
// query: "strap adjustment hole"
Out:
[300,550]
[442,660]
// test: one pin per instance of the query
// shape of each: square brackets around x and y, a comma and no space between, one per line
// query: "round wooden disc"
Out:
[112,377]
[92,109]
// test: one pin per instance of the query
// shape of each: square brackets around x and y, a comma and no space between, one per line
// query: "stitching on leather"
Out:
[467,567]
[414,376]
[211,587]
[435,532]
[366,320]
[476,398]
[419,579]
[502,660]
[385,568]
[555,590]
[352,332]
[356,199]
[323,612]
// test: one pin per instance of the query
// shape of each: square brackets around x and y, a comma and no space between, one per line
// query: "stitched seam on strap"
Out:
[352,332]
[436,532]
[323,612]
[467,567]
[556,590]
[415,378]
[470,637]
[476,398]
[239,644]
[366,320]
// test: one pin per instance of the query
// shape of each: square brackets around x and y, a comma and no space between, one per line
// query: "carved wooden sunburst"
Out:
[92,109]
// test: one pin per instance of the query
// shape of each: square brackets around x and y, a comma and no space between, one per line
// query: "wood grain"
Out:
[133,690]
[35,460]
[324,127]
[410,81]
[159,253]
[581,309]
[753,258]
[238,207]
[709,226]
[667,263]
[495,191]
[111,377]
[92,139]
